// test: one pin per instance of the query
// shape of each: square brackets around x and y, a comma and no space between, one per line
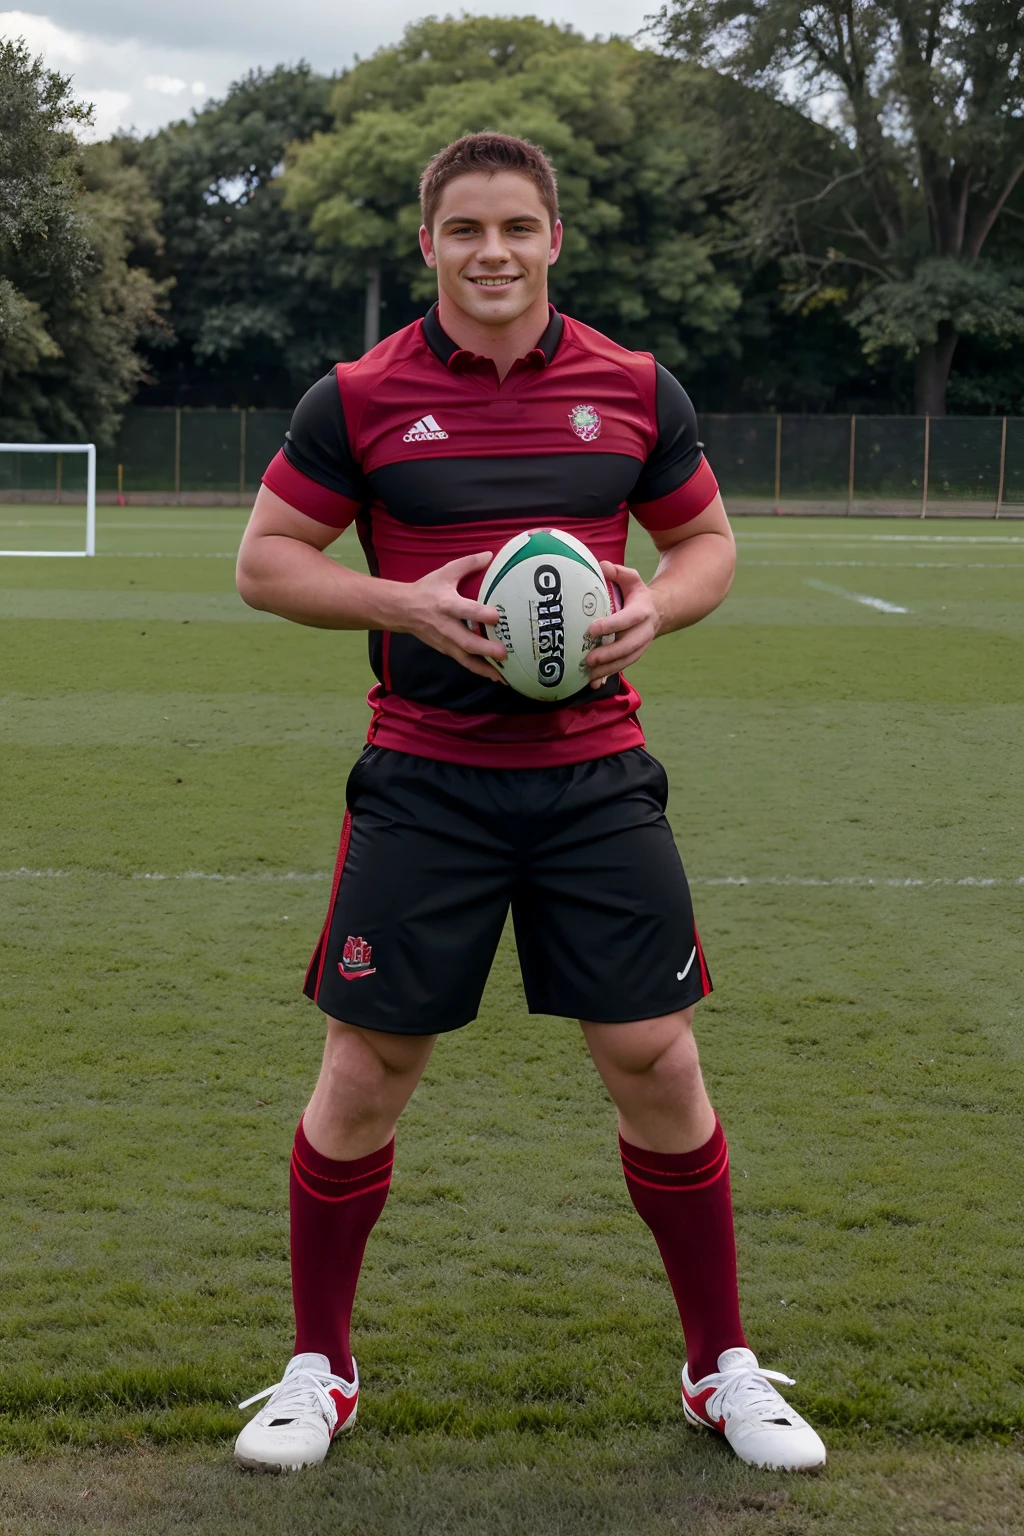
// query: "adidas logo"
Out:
[426,430]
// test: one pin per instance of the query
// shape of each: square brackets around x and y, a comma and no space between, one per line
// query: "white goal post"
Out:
[89,449]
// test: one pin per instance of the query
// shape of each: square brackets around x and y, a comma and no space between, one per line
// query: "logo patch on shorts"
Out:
[355,959]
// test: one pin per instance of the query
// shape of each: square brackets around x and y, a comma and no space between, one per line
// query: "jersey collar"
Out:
[458,359]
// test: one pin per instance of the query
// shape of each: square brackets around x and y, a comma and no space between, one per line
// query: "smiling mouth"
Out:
[494,282]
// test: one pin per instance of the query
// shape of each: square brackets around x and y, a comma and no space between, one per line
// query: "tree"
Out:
[253,313]
[929,150]
[72,309]
[38,184]
[642,231]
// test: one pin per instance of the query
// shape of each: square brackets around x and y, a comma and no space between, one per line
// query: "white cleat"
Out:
[306,1409]
[739,1402]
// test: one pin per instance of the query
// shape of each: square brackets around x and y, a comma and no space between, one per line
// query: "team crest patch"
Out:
[355,959]
[585,422]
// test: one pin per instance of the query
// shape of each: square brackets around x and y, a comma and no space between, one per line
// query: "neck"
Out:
[501,343]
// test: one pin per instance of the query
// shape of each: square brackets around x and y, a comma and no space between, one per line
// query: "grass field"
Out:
[844,745]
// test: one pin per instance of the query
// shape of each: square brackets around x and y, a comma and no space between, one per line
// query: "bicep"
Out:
[713,519]
[314,487]
[273,517]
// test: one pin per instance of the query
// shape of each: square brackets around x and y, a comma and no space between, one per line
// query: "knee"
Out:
[654,1049]
[370,1071]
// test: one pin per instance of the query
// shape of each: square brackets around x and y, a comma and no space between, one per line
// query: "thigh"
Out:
[604,921]
[421,890]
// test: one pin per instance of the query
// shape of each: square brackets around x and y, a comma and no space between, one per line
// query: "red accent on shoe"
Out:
[698,1403]
[346,1407]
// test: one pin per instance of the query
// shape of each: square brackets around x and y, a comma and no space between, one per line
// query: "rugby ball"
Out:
[548,589]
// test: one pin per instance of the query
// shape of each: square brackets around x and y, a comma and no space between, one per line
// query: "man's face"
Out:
[491,245]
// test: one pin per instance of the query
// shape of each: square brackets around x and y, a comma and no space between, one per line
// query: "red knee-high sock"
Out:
[334,1206]
[685,1199]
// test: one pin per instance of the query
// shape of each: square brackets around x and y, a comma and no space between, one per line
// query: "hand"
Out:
[436,612]
[634,626]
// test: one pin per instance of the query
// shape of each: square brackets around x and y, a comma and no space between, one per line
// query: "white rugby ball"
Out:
[548,589]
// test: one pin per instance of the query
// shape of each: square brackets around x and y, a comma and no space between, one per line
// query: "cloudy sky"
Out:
[146,64]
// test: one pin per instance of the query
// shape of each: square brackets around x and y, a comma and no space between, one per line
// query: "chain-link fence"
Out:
[960,466]
[161,455]
[192,453]
[953,466]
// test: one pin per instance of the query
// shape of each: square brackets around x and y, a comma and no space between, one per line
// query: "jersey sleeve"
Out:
[676,482]
[316,471]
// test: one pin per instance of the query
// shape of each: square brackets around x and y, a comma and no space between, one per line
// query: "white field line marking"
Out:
[895,565]
[876,538]
[43,522]
[173,554]
[878,603]
[863,882]
[52,522]
[946,538]
[168,554]
[140,554]
[189,874]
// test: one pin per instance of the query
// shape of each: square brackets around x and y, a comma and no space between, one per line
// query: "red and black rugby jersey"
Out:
[420,445]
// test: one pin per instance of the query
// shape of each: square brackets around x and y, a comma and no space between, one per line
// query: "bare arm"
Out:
[282,569]
[693,577]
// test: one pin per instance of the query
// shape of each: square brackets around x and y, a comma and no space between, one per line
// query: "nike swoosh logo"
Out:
[356,975]
[682,975]
[698,1405]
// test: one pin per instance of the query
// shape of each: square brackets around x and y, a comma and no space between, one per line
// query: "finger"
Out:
[603,676]
[626,618]
[612,658]
[637,638]
[610,665]
[467,563]
[465,639]
[469,612]
[629,583]
[626,639]
[623,575]
[618,664]
[481,668]
[450,635]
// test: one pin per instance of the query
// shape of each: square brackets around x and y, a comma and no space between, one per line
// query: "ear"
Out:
[427,246]
[556,243]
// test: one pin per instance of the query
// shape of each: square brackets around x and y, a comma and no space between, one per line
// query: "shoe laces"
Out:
[750,1390]
[290,1397]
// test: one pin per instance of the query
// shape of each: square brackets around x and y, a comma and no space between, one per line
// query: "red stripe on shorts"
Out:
[705,979]
[320,953]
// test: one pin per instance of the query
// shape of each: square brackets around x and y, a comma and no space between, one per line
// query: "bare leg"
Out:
[366,1080]
[652,1071]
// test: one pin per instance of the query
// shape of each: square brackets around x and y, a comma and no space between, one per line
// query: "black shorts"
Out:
[432,854]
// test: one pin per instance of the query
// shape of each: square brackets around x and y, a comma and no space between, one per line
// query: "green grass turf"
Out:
[848,796]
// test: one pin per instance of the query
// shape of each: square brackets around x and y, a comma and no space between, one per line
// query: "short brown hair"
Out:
[488,152]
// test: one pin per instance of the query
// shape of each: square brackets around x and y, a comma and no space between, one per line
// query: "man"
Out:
[440,444]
